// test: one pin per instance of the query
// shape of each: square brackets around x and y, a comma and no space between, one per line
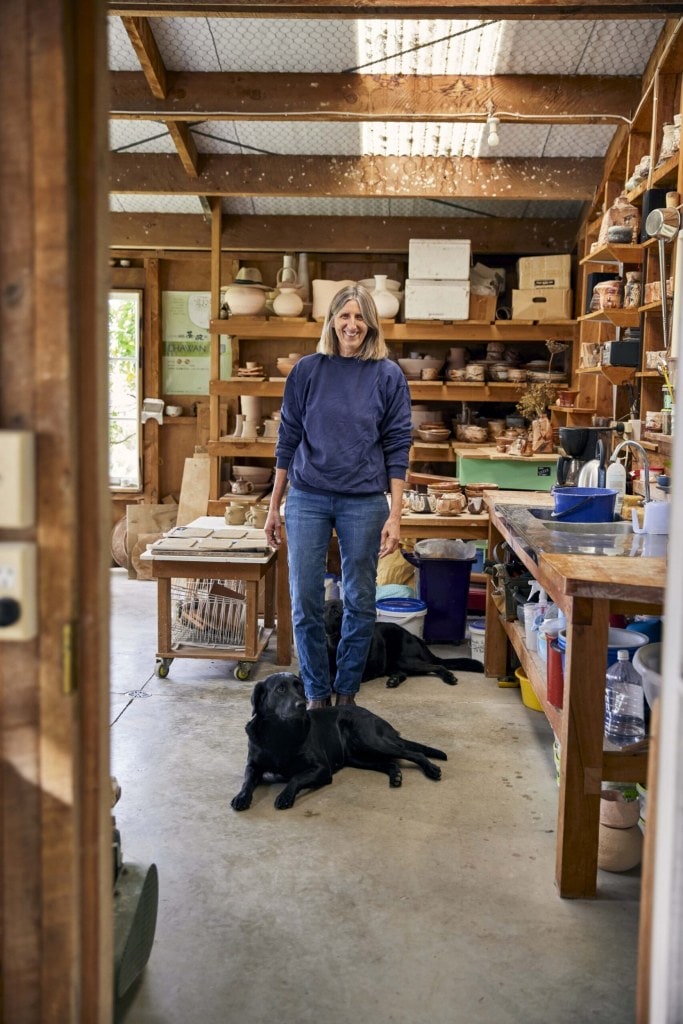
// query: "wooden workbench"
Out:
[588,589]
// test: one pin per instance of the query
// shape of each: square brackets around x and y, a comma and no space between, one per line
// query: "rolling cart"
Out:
[207,607]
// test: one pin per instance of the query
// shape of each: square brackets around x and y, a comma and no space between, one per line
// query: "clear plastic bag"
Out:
[442,547]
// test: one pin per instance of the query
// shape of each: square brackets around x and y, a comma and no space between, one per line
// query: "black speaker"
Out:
[653,199]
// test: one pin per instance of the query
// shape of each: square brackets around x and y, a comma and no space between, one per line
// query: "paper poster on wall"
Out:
[186,355]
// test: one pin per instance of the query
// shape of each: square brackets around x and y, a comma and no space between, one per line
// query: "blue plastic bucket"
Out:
[617,640]
[584,504]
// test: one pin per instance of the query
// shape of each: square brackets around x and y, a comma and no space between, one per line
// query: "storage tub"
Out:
[403,611]
[617,640]
[529,698]
[477,631]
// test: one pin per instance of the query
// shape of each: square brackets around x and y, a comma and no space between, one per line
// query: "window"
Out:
[125,388]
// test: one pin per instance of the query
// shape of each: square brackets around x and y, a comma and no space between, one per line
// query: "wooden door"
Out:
[55,824]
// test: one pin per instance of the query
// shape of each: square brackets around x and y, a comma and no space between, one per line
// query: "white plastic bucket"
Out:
[477,631]
[403,611]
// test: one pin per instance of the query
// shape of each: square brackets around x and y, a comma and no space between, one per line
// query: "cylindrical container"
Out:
[403,611]
[584,504]
[555,675]
[530,634]
[477,631]
[628,639]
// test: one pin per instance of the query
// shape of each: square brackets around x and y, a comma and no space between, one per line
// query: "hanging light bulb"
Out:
[492,125]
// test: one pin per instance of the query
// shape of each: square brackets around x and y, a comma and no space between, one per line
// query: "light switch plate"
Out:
[17,479]
[18,582]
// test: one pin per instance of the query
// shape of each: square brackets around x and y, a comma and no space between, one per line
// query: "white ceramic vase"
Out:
[287,302]
[303,276]
[387,302]
[245,300]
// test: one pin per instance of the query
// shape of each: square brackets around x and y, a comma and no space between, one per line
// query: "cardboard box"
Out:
[542,304]
[483,307]
[437,300]
[544,272]
[439,259]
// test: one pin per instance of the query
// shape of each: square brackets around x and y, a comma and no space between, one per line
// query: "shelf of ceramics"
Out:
[666,173]
[649,373]
[612,253]
[491,453]
[432,330]
[651,307]
[261,448]
[629,317]
[182,421]
[420,390]
[615,374]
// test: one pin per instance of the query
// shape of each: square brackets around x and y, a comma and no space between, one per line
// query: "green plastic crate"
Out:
[512,475]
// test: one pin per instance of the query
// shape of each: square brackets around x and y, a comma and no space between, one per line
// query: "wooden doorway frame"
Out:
[55,816]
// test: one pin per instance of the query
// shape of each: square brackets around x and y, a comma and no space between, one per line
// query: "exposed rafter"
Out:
[191,96]
[507,9]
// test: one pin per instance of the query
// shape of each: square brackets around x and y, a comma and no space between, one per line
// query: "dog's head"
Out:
[281,694]
[332,618]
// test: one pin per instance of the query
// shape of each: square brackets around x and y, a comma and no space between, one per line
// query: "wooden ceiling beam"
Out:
[358,177]
[449,9]
[215,96]
[338,234]
[145,46]
[185,146]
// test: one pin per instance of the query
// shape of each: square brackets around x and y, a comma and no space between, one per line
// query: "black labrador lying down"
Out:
[394,652]
[306,748]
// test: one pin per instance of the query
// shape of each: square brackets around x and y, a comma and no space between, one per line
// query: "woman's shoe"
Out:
[315,704]
[344,699]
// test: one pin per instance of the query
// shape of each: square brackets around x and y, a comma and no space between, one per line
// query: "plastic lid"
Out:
[622,655]
[401,604]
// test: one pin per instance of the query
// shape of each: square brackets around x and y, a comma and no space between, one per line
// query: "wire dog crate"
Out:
[208,613]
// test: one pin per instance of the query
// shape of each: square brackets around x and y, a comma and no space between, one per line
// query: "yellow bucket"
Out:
[529,698]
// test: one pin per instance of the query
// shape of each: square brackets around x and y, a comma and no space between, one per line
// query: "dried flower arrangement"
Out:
[538,397]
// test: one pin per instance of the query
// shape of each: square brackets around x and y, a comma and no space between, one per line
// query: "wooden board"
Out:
[194,491]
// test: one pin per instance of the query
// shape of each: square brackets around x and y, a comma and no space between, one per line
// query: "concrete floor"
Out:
[434,902]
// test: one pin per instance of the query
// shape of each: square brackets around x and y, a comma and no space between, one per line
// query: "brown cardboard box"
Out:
[544,271]
[542,304]
[483,307]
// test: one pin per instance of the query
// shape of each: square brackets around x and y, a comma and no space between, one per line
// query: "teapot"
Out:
[241,486]
[422,502]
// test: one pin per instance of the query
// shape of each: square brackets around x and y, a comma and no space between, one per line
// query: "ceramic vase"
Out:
[303,276]
[287,302]
[387,302]
[245,300]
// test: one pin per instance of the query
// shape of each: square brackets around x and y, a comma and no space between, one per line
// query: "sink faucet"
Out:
[646,463]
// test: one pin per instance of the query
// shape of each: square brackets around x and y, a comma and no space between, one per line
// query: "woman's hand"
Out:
[273,528]
[391,535]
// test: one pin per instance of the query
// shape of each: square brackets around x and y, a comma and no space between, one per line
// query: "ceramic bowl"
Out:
[617,812]
[173,410]
[284,366]
[432,363]
[411,367]
[475,435]
[433,433]
[256,474]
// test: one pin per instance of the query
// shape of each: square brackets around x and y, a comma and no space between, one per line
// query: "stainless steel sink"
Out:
[589,529]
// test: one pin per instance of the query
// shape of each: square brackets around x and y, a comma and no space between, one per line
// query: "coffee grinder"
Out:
[580,446]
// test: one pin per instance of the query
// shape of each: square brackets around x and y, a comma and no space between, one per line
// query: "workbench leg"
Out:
[581,742]
[163,614]
[251,619]
[269,597]
[496,641]
[284,607]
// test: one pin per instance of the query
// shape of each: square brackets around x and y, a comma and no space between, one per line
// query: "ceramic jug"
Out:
[655,517]
[287,302]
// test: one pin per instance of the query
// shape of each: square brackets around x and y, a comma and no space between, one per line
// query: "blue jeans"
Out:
[358,522]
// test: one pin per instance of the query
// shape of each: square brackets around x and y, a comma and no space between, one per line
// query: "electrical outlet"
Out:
[17,479]
[18,591]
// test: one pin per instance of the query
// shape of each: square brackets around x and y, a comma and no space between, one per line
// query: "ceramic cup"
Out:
[235,515]
[474,506]
[257,517]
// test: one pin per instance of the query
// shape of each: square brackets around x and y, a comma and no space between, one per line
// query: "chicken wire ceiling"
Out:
[377,47]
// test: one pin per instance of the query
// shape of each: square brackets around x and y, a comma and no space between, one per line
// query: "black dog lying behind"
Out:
[394,652]
[306,748]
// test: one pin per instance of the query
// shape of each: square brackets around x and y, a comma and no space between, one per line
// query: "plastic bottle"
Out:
[624,704]
[616,481]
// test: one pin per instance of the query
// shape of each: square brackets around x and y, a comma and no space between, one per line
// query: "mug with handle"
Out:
[655,517]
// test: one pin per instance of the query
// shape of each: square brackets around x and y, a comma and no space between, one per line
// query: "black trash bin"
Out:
[443,585]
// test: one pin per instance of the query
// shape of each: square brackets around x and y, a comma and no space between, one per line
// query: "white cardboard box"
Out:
[544,271]
[437,300]
[439,259]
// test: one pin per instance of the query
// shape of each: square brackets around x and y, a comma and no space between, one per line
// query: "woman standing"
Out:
[343,443]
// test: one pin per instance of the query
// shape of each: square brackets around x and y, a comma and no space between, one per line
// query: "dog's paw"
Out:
[433,772]
[240,802]
[393,682]
[395,777]
[450,679]
[284,800]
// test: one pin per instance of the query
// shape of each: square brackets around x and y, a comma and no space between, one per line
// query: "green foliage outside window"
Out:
[124,390]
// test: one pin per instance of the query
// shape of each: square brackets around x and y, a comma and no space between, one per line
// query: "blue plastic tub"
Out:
[584,504]
[617,640]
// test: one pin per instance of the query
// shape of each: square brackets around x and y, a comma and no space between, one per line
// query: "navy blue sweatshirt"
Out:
[345,425]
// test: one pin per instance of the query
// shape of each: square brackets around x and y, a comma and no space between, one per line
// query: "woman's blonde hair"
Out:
[374,346]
